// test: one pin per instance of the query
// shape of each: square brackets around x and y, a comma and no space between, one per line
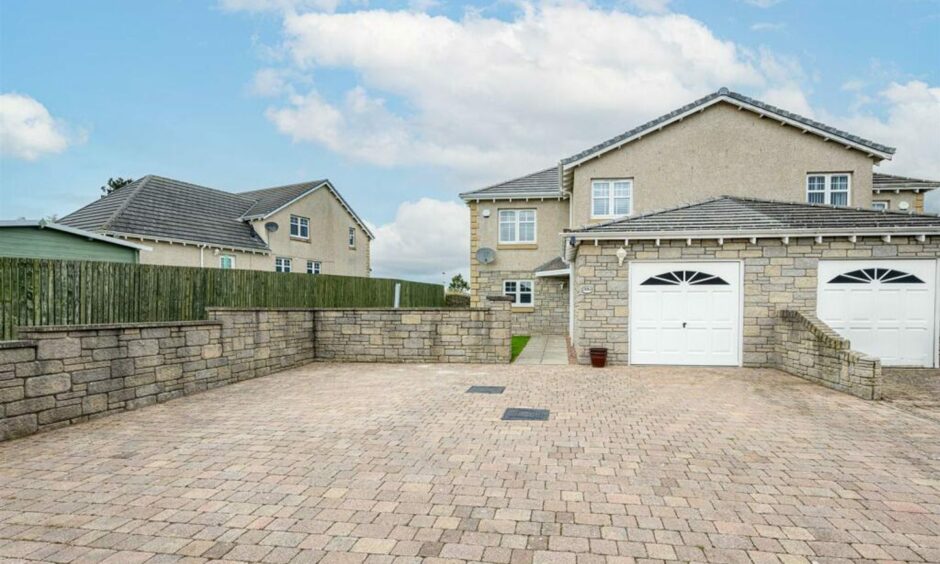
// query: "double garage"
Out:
[692,313]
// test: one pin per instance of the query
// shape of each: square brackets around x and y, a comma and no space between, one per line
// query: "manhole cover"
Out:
[486,389]
[525,414]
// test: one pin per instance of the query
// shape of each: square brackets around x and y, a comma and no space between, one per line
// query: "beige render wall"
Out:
[721,151]
[551,219]
[177,254]
[329,224]
[914,200]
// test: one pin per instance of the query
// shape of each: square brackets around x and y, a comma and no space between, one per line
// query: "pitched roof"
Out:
[881,181]
[556,263]
[269,200]
[169,209]
[543,183]
[728,216]
[742,101]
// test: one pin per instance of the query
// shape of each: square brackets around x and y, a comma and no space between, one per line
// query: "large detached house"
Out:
[679,241]
[306,227]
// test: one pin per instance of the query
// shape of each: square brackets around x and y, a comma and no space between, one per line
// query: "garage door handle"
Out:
[683,324]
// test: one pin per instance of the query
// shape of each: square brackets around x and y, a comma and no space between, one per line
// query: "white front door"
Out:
[685,313]
[886,308]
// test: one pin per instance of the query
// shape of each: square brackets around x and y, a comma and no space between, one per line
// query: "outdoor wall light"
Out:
[621,255]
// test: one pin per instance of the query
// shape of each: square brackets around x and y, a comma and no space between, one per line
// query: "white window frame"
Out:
[222,262]
[827,191]
[880,205]
[516,223]
[611,199]
[352,237]
[303,227]
[282,264]
[313,267]
[517,293]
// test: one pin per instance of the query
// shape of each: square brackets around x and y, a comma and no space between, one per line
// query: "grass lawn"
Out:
[518,343]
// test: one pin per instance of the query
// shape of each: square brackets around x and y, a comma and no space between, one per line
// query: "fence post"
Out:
[397,295]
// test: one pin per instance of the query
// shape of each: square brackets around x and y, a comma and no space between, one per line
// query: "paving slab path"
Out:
[397,463]
[544,349]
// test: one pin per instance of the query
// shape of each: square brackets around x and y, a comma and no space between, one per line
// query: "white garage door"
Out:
[685,313]
[885,308]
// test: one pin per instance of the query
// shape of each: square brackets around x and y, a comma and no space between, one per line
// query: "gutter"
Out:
[553,195]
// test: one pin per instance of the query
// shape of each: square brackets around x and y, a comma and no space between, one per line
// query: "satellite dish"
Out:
[270,226]
[486,255]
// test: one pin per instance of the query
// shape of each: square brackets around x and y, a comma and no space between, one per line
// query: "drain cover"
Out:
[486,389]
[525,414]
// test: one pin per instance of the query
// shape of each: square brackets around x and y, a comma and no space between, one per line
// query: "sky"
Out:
[403,105]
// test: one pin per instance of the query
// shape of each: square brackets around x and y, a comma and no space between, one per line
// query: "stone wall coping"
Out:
[17,344]
[103,326]
[315,309]
[817,328]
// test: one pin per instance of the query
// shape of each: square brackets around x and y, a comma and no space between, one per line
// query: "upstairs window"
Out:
[611,198]
[313,267]
[352,236]
[520,291]
[281,264]
[516,226]
[832,189]
[299,227]
[226,262]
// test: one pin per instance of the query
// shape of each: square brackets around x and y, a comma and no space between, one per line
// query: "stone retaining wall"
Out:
[480,335]
[808,348]
[57,376]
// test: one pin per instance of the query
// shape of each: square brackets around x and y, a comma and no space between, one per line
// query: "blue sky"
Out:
[403,105]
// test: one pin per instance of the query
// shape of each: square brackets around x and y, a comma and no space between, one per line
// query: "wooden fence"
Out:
[58,292]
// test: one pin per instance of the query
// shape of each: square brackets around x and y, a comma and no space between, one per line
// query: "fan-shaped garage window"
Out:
[869,275]
[692,277]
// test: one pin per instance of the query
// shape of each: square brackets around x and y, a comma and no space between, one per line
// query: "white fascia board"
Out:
[334,191]
[553,195]
[173,241]
[559,272]
[743,105]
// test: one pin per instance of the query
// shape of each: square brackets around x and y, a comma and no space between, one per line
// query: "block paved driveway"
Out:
[379,463]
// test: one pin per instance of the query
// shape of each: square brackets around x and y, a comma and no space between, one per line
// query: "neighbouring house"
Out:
[900,193]
[306,227]
[44,239]
[681,240]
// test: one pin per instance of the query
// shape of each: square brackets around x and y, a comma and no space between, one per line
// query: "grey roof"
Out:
[881,181]
[728,214]
[556,263]
[164,208]
[269,200]
[541,182]
[726,94]
[169,209]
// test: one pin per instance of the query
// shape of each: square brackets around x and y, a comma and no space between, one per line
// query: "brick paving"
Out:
[914,389]
[395,463]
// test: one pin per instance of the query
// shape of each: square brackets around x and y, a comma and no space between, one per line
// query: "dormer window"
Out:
[832,189]
[611,198]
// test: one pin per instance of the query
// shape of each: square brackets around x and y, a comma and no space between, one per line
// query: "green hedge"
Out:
[58,292]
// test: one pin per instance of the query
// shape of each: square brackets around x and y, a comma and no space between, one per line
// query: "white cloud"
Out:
[651,6]
[910,125]
[504,97]
[426,238]
[768,26]
[27,129]
[763,3]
